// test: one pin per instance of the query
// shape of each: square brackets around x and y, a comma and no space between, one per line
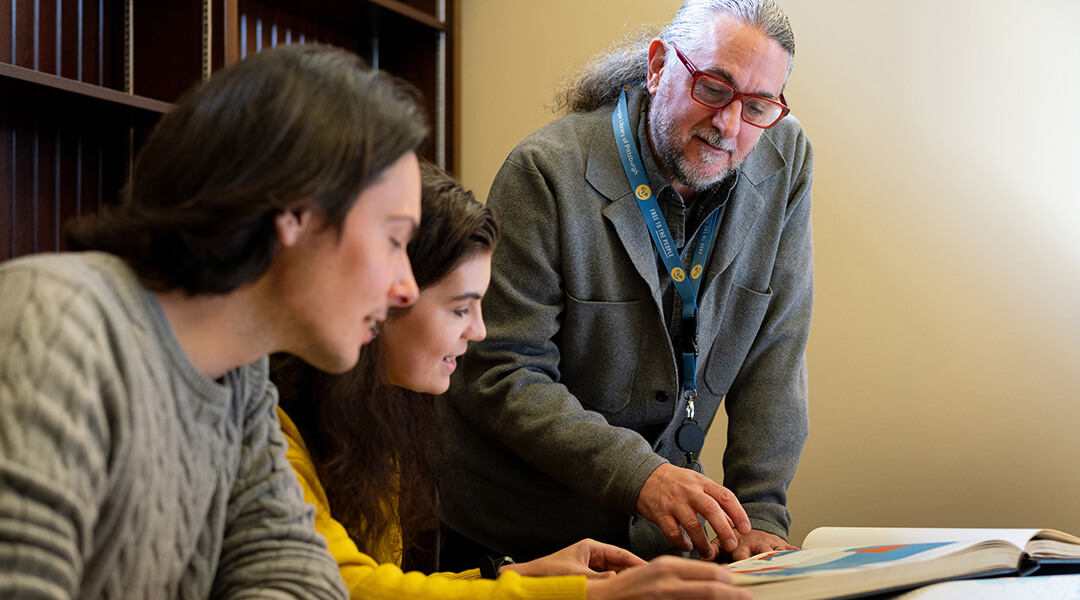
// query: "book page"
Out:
[831,537]
[812,562]
[1055,587]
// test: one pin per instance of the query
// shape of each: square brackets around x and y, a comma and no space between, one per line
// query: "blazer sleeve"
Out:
[514,389]
[767,404]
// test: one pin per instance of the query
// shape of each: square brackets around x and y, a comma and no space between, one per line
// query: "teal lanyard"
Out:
[661,236]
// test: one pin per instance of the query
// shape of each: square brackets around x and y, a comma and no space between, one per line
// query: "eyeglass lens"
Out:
[716,94]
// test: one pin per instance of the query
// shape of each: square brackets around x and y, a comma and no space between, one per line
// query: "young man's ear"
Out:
[289,224]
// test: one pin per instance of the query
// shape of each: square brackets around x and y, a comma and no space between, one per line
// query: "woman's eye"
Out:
[461,312]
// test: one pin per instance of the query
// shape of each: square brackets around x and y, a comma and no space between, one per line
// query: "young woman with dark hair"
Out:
[360,441]
[362,425]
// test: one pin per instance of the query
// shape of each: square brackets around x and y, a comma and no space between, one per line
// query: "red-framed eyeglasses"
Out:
[709,91]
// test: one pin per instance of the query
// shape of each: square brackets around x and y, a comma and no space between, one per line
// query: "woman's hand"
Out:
[667,577]
[587,557]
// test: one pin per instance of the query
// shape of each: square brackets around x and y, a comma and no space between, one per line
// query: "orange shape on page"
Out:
[879,549]
[765,570]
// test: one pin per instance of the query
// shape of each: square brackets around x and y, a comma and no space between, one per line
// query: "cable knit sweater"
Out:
[124,471]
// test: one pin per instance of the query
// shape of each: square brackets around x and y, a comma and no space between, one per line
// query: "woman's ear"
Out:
[290,224]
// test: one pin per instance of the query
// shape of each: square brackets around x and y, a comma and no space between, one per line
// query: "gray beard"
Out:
[675,162]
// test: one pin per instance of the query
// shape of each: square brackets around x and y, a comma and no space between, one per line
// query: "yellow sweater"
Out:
[366,578]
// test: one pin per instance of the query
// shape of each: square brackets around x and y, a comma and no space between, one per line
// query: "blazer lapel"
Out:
[625,216]
[604,172]
[745,206]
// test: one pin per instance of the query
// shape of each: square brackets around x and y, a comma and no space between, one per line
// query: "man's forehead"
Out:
[743,55]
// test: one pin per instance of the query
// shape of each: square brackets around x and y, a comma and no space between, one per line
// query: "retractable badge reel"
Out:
[690,438]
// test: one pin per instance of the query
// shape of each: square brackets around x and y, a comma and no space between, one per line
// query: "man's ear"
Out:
[657,59]
[290,224]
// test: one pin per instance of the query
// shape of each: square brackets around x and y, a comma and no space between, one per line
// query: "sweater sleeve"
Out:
[271,549]
[365,578]
[55,380]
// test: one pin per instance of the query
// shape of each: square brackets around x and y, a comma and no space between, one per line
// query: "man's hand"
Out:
[754,543]
[673,497]
[587,557]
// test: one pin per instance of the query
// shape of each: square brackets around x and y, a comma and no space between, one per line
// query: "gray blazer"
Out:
[541,434]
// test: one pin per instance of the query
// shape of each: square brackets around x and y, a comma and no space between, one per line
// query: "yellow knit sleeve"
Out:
[367,579]
[389,583]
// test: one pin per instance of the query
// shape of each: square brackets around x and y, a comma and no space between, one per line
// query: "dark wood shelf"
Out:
[82,85]
[412,13]
[11,76]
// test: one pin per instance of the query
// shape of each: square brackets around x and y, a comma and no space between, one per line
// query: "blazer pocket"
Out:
[599,352]
[739,328]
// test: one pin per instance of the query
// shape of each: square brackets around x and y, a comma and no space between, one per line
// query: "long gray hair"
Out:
[598,83]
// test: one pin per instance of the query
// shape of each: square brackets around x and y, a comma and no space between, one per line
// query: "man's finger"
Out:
[722,526]
[717,551]
[691,524]
[671,529]
[730,505]
[743,553]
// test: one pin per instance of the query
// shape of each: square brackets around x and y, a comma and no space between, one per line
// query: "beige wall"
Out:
[945,351]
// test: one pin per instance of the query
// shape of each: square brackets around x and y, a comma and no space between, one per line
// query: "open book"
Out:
[847,562]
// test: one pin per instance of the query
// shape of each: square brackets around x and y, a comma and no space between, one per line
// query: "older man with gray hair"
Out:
[657,261]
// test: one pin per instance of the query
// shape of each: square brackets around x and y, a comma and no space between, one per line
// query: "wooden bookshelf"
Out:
[83,81]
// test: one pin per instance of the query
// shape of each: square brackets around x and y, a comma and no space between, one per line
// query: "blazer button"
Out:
[662,396]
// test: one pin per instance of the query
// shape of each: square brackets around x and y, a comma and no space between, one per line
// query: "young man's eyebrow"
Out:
[414,227]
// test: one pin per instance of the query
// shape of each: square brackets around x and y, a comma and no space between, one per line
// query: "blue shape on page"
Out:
[858,557]
[778,555]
